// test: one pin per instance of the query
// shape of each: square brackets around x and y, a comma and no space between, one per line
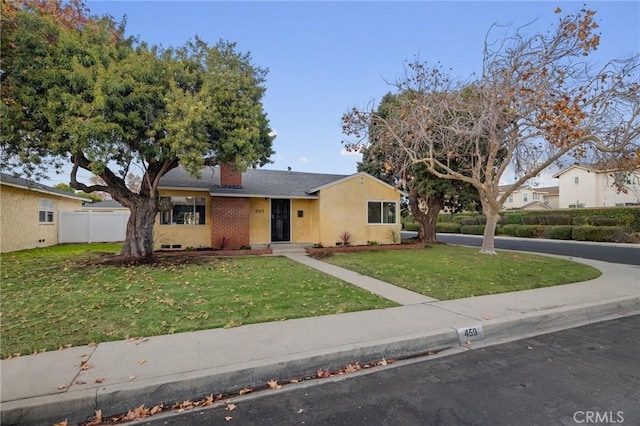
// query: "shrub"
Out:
[514,218]
[481,219]
[467,221]
[559,219]
[472,229]
[579,220]
[224,242]
[458,219]
[605,221]
[509,229]
[560,232]
[542,220]
[345,238]
[393,235]
[411,226]
[530,220]
[614,234]
[530,231]
[448,227]
[445,217]
[591,220]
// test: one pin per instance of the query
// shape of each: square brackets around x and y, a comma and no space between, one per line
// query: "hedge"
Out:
[613,234]
[560,232]
[448,227]
[445,217]
[411,226]
[473,229]
[623,216]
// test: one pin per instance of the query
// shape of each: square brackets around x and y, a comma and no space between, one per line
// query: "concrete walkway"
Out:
[117,376]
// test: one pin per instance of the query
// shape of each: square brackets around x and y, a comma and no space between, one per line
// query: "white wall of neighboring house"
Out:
[526,195]
[587,187]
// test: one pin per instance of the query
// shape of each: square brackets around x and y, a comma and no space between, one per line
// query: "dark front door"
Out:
[280,220]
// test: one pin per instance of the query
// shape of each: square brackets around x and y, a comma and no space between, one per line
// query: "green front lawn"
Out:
[59,295]
[450,272]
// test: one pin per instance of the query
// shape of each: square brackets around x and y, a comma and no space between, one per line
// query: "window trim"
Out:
[49,209]
[194,205]
[382,202]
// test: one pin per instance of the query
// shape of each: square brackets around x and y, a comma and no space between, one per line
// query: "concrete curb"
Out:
[78,406]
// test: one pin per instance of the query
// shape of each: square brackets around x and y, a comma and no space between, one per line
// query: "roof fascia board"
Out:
[355,175]
[44,191]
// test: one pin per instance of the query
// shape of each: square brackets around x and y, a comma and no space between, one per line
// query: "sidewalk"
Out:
[51,386]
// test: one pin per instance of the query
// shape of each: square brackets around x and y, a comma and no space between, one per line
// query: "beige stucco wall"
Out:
[19,221]
[259,221]
[343,207]
[194,236]
[305,229]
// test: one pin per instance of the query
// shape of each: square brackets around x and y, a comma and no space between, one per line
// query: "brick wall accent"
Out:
[230,176]
[230,218]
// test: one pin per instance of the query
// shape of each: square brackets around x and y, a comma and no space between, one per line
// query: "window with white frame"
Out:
[381,212]
[511,198]
[536,197]
[46,210]
[525,197]
[183,211]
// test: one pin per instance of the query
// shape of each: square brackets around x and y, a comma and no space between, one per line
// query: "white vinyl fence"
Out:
[92,227]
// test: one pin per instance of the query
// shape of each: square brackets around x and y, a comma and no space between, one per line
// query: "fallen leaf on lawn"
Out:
[84,365]
[92,344]
[273,384]
[231,407]
[100,380]
[244,391]
[208,400]
[80,382]
[62,423]
[142,361]
[323,373]
[156,409]
[382,362]
[228,418]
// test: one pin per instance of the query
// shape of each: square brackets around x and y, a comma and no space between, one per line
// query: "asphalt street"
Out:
[585,375]
[628,255]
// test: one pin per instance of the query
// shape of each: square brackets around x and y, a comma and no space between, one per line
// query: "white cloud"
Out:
[303,159]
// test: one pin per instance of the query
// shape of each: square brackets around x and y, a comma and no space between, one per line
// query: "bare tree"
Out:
[537,102]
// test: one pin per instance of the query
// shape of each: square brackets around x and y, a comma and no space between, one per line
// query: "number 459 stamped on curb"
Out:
[469,334]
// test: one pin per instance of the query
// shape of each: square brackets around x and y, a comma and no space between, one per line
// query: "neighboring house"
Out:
[29,213]
[259,207]
[105,206]
[589,186]
[531,198]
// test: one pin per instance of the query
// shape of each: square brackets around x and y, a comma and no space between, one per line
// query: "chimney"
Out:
[230,177]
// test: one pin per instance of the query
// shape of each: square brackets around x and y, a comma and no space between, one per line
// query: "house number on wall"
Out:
[259,210]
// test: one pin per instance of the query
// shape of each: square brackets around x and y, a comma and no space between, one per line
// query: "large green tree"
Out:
[75,89]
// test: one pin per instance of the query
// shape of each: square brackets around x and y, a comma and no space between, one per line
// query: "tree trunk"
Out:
[139,239]
[488,240]
[426,220]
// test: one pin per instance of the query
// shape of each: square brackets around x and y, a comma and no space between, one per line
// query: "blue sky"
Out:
[326,57]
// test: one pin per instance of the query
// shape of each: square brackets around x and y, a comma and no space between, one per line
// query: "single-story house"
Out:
[527,197]
[29,213]
[589,185]
[258,207]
